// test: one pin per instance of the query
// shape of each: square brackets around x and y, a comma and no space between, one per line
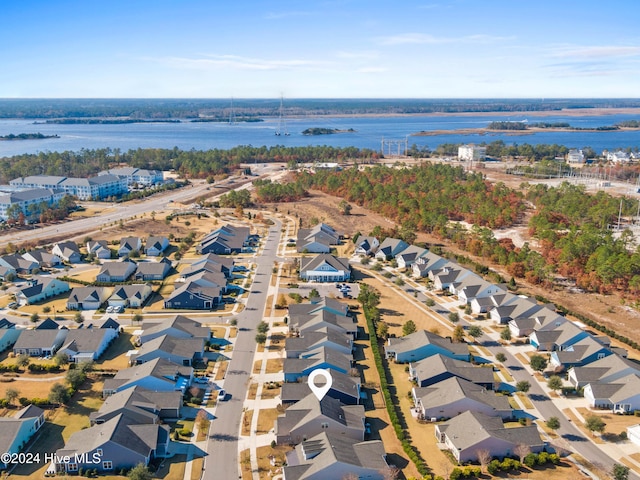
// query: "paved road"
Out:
[222,462]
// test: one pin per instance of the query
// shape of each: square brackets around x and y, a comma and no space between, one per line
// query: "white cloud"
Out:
[214,62]
[428,39]
[597,51]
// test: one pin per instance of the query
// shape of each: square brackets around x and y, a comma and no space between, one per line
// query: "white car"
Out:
[118,309]
[221,394]
[110,309]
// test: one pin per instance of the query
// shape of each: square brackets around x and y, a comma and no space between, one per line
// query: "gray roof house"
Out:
[323,303]
[322,357]
[301,323]
[19,263]
[554,336]
[516,307]
[335,456]
[323,337]
[444,277]
[148,271]
[192,296]
[430,261]
[116,271]
[587,350]
[606,370]
[438,367]
[324,268]
[455,395]
[99,248]
[155,246]
[318,239]
[8,334]
[119,443]
[422,344]
[209,263]
[42,258]
[621,396]
[409,255]
[39,343]
[39,289]
[177,326]
[138,402]
[345,388]
[67,251]
[88,298]
[366,245]
[158,375]
[225,240]
[129,245]
[390,247]
[543,319]
[470,432]
[132,296]
[310,416]
[183,351]
[87,344]
[16,431]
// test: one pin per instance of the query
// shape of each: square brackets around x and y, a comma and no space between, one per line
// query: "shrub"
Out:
[530,460]
[543,457]
[493,467]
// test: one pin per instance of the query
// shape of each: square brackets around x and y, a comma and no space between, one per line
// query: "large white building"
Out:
[575,156]
[472,153]
[29,200]
[136,176]
[93,188]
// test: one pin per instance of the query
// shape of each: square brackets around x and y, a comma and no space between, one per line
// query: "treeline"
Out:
[424,197]
[507,126]
[189,163]
[268,191]
[27,136]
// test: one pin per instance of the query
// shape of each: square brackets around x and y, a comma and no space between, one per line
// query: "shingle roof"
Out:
[423,337]
[311,263]
[455,389]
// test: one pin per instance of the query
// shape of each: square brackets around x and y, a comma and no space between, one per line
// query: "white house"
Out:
[324,268]
[472,153]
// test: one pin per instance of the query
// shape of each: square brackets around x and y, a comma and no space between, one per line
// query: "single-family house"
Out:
[455,395]
[183,351]
[310,417]
[67,251]
[344,387]
[559,337]
[8,334]
[39,343]
[148,271]
[323,337]
[225,240]
[430,261]
[210,263]
[192,296]
[88,344]
[335,456]
[159,375]
[318,239]
[43,258]
[16,431]
[116,271]
[99,249]
[323,357]
[517,307]
[472,287]
[147,406]
[468,433]
[324,268]
[39,289]
[133,296]
[19,264]
[409,255]
[390,247]
[7,273]
[580,353]
[155,246]
[88,298]
[119,443]
[422,344]
[128,245]
[300,323]
[605,370]
[486,304]
[437,368]
[366,245]
[177,326]
[543,319]
[621,396]
[442,278]
[327,304]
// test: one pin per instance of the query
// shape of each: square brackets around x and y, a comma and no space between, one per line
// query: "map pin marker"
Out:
[320,391]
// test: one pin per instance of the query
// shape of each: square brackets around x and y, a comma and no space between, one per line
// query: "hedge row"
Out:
[409,449]
[37,368]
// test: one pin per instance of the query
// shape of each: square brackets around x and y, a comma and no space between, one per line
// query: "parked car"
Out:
[118,309]
[221,395]
[110,309]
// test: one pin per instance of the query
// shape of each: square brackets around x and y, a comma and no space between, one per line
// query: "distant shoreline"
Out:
[528,131]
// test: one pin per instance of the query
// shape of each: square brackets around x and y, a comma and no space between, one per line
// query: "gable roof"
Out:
[608,365]
[36,339]
[310,408]
[158,368]
[312,263]
[178,322]
[180,347]
[84,339]
[341,382]
[455,389]
[88,294]
[438,364]
[139,403]
[422,338]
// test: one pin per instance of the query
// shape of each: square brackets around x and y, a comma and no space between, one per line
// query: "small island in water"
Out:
[26,136]
[325,131]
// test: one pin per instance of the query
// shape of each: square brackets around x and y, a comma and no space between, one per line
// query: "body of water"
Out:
[369,132]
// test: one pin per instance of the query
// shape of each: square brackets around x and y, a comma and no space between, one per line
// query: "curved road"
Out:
[222,461]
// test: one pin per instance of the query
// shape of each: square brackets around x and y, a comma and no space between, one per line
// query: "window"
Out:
[600,356]
[107,465]
[99,451]
[324,425]
[72,467]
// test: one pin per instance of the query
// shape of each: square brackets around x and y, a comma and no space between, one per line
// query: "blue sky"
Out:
[323,49]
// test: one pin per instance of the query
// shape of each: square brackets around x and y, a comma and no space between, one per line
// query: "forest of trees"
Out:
[189,163]
[571,226]
[268,191]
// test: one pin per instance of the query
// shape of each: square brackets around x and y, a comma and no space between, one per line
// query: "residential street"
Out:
[222,461]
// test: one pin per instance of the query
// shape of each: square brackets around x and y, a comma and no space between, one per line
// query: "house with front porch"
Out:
[324,268]
[605,370]
[621,396]
[40,343]
[133,296]
[88,298]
